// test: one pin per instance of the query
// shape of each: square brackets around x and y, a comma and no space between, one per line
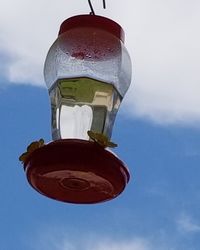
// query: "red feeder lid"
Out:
[76,171]
[94,21]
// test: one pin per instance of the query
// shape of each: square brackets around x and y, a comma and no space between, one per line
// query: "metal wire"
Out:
[104,4]
[92,9]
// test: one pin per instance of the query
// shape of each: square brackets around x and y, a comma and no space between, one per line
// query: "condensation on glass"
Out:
[87,72]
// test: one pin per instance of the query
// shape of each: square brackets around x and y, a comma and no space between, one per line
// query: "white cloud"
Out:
[186,224]
[136,244]
[52,237]
[162,37]
[166,59]
[90,242]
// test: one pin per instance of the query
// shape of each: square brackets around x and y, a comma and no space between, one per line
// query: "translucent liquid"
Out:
[82,104]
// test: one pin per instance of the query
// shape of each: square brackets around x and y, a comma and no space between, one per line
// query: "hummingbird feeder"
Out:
[87,72]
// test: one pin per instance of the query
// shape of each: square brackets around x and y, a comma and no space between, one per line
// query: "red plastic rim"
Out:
[76,171]
[94,21]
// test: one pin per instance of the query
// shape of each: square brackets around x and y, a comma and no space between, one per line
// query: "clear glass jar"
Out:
[87,72]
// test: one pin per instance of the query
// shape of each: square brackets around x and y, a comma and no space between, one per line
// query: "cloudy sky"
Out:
[161,36]
[157,130]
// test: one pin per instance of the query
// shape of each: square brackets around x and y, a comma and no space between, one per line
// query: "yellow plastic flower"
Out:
[101,139]
[30,149]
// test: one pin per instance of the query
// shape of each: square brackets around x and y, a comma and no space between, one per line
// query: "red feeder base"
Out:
[76,171]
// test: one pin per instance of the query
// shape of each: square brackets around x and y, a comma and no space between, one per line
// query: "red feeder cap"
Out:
[94,21]
[76,171]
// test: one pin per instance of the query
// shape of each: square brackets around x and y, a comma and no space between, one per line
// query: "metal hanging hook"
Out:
[104,4]
[92,9]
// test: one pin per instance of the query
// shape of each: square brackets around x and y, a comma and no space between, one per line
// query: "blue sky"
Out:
[158,210]
[157,130]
